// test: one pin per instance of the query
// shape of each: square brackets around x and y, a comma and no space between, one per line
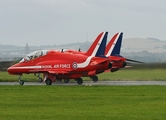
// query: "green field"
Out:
[135,74]
[86,102]
[82,102]
[123,74]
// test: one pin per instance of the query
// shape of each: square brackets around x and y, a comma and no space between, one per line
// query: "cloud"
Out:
[61,21]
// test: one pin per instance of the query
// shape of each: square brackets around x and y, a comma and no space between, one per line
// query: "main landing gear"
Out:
[79,81]
[20,81]
[49,78]
[94,78]
[48,81]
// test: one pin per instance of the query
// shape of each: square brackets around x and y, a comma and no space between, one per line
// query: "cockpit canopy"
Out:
[34,55]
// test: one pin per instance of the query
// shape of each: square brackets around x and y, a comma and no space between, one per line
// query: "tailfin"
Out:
[101,50]
[98,46]
[113,47]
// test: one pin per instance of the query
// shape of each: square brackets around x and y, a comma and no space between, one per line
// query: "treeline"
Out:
[5,64]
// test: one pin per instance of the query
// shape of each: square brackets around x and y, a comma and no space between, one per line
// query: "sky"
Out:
[54,22]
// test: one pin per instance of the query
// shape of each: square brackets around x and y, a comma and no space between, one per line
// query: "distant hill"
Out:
[143,44]
[152,45]
[143,49]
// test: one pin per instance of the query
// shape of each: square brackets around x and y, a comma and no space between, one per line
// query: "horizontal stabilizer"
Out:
[129,60]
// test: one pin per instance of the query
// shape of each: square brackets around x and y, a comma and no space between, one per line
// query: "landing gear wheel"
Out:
[79,81]
[66,80]
[40,79]
[48,81]
[94,78]
[21,82]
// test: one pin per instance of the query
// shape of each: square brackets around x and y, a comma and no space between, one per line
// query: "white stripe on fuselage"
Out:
[26,67]
[112,46]
[84,64]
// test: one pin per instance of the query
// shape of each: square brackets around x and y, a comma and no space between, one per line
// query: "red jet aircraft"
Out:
[64,65]
[113,53]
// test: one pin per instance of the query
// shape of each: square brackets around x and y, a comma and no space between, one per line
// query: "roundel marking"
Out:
[74,65]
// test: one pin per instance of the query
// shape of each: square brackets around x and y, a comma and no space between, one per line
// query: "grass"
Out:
[82,102]
[123,74]
[4,76]
[135,74]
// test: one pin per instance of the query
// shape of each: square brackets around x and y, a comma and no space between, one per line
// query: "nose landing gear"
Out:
[20,81]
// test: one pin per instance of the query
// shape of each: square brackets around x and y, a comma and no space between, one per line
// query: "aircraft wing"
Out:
[116,59]
[58,71]
[97,62]
[53,71]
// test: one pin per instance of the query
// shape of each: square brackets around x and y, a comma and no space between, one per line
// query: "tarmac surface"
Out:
[90,83]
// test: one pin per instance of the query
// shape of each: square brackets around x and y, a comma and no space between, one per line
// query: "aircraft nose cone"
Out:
[10,70]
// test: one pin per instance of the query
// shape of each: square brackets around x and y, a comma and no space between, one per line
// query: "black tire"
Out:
[79,81]
[95,78]
[66,80]
[21,82]
[48,81]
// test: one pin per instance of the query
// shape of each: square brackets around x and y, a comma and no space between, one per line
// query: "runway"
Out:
[90,83]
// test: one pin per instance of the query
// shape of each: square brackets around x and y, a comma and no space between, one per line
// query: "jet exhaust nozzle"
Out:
[124,64]
[110,65]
